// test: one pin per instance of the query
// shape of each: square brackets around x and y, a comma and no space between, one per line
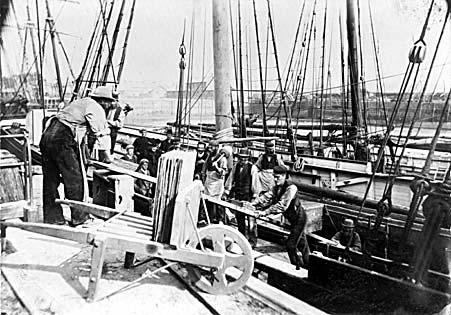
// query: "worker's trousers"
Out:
[61,163]
[298,241]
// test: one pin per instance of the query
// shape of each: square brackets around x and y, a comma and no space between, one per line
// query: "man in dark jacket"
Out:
[239,186]
[282,198]
[201,158]
[348,237]
[141,145]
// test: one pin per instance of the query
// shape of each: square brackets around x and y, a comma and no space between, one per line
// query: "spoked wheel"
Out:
[237,260]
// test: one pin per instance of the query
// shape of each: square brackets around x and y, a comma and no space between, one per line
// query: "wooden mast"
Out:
[357,118]
[221,56]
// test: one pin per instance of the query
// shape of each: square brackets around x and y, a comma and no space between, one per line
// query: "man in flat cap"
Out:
[282,198]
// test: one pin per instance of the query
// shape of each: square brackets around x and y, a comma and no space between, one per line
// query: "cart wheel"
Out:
[238,262]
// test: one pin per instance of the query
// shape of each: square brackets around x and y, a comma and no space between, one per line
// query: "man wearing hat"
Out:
[115,117]
[141,145]
[347,236]
[130,155]
[282,198]
[62,155]
[215,171]
[168,142]
[262,179]
[239,186]
[201,157]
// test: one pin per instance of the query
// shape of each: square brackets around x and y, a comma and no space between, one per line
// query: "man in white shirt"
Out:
[61,153]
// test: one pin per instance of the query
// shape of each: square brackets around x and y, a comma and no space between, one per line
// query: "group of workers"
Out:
[263,186]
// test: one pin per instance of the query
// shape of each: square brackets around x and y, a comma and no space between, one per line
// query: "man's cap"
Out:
[201,146]
[143,130]
[168,131]
[269,144]
[348,223]
[280,169]
[244,152]
[130,146]
[144,161]
[102,92]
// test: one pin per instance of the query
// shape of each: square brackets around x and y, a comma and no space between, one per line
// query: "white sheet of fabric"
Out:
[262,180]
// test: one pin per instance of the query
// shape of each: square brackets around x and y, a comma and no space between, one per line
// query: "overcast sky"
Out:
[152,56]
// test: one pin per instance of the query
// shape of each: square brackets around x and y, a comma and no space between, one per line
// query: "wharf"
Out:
[50,276]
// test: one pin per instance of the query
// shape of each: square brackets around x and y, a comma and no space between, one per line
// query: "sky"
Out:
[152,55]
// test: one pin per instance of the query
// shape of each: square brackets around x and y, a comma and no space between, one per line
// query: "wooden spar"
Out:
[321,115]
[39,74]
[300,93]
[221,49]
[104,36]
[182,65]
[351,23]
[85,62]
[124,48]
[51,24]
[290,134]
[109,62]
[343,91]
[240,56]
[260,71]
[235,67]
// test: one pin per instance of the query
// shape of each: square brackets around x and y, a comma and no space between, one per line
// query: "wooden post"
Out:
[221,48]
[97,258]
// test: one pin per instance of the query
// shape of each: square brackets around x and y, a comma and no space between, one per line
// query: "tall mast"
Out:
[109,62]
[124,48]
[51,24]
[221,56]
[351,21]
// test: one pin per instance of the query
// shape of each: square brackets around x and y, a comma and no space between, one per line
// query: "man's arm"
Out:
[263,200]
[119,122]
[95,116]
[258,164]
[284,202]
[336,237]
[229,182]
[357,243]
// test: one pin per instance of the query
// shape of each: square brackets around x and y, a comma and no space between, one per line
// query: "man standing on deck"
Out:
[61,152]
[238,186]
[141,145]
[262,173]
[282,198]
[115,117]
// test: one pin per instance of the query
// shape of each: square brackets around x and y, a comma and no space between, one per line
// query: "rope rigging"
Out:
[421,184]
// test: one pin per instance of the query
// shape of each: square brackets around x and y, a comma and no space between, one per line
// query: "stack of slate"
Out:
[175,171]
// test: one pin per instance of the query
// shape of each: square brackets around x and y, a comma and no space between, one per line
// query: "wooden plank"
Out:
[14,209]
[97,210]
[124,171]
[279,300]
[131,224]
[125,232]
[81,236]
